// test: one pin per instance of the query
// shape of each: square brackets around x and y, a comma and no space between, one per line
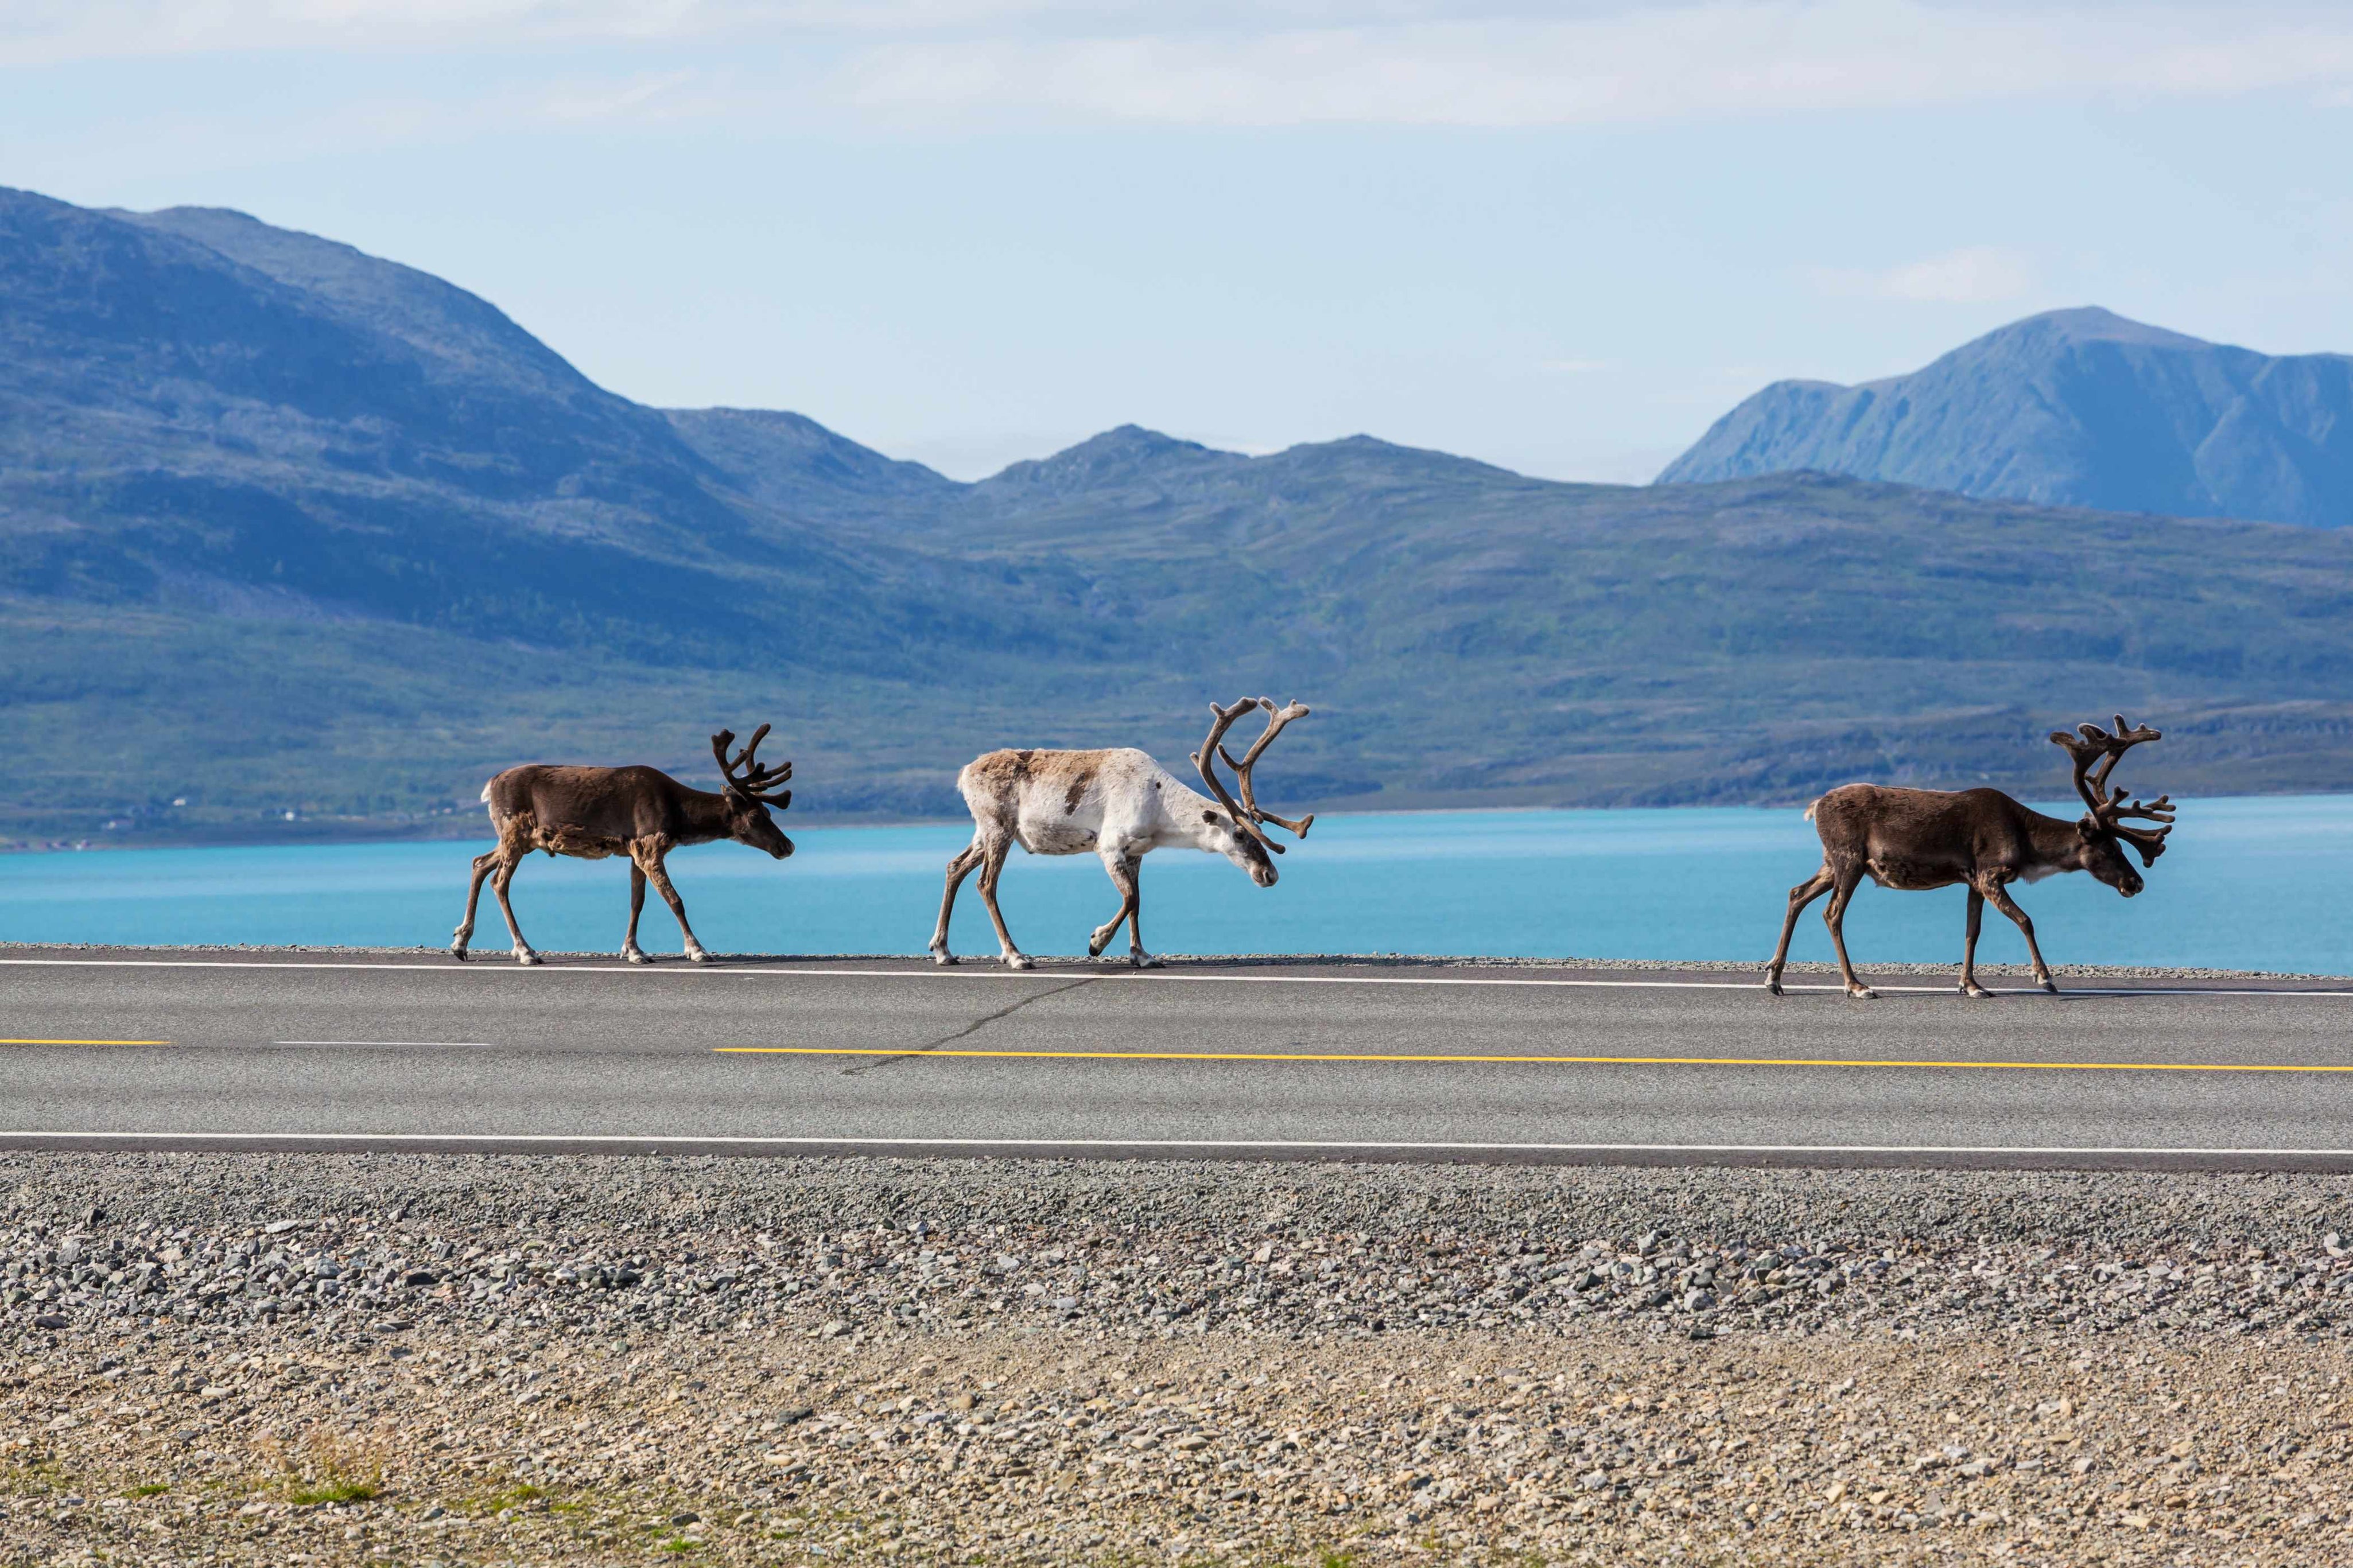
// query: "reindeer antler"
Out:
[1206,759]
[2109,810]
[2149,842]
[745,775]
[1276,719]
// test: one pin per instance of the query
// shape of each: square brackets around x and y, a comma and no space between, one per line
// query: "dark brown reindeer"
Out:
[1981,837]
[642,812]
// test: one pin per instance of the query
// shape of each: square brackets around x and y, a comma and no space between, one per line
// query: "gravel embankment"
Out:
[569,1361]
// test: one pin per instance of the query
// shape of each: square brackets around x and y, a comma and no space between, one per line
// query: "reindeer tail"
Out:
[486,797]
[1810,808]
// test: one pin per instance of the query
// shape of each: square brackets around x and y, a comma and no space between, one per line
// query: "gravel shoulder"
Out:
[272,1358]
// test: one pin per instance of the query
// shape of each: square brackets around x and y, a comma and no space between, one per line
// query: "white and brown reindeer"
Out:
[1119,806]
[1981,837]
[640,812]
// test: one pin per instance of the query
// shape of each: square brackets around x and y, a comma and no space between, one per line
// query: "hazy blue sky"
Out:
[1559,237]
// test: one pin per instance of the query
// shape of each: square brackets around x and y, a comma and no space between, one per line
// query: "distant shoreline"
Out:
[342,832]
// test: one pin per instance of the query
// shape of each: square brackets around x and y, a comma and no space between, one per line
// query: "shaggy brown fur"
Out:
[1917,838]
[591,812]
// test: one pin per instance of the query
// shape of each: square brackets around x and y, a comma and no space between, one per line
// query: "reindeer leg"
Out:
[503,875]
[1114,866]
[1834,917]
[1999,897]
[660,877]
[465,931]
[992,867]
[1969,987]
[1804,893]
[960,866]
[630,951]
[1126,875]
[1135,953]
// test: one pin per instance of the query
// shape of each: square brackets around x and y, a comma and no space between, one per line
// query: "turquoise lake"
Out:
[2250,883]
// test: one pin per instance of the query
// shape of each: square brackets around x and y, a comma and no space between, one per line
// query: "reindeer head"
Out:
[1239,834]
[2101,827]
[750,791]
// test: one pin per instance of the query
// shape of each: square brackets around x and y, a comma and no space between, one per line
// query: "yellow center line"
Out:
[1539,1061]
[85,1042]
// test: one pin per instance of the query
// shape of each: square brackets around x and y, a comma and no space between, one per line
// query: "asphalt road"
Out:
[111,1049]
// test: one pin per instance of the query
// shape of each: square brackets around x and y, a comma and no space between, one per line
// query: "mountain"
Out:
[2070,408]
[200,411]
[295,541]
[795,464]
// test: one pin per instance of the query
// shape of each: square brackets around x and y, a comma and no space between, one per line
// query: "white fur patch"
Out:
[1064,838]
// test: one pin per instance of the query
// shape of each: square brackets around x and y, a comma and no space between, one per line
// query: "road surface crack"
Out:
[969,1029]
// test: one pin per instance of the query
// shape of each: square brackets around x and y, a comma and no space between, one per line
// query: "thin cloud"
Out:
[390,120]
[1435,62]
[644,98]
[1699,61]
[37,31]
[1981,274]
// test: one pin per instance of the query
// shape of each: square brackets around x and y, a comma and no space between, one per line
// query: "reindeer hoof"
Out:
[943,958]
[2049,984]
[457,952]
[1018,960]
[1772,988]
[634,955]
[1863,992]
[1980,992]
[525,957]
[1144,961]
[697,955]
[1095,946]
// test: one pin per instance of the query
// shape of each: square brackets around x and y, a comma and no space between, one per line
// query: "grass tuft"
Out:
[325,1465]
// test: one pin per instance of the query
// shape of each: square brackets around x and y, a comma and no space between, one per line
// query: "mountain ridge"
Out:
[339,540]
[2076,407]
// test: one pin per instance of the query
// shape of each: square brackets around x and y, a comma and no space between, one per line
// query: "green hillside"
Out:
[285,529]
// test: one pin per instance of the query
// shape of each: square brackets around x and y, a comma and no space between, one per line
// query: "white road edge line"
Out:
[616,1137]
[977,972]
